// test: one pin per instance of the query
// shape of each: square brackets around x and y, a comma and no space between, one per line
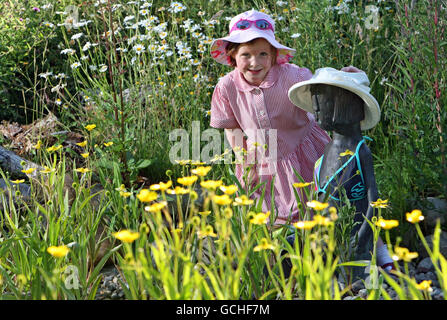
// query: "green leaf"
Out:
[357,263]
[143,163]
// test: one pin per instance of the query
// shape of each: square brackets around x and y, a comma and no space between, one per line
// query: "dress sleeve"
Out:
[222,115]
[298,74]
[304,74]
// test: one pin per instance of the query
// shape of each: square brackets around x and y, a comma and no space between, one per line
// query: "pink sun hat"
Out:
[245,27]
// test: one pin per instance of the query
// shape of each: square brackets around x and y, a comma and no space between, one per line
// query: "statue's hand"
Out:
[351,69]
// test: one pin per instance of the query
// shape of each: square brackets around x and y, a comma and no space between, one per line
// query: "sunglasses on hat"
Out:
[244,24]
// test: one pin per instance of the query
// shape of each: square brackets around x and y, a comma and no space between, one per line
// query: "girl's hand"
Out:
[351,69]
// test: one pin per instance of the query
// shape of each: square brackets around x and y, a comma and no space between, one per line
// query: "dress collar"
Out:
[269,80]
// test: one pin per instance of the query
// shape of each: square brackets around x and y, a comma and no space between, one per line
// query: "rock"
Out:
[363,293]
[431,276]
[435,283]
[114,296]
[393,294]
[357,286]
[425,265]
[411,269]
[442,245]
[110,287]
[25,192]
[436,209]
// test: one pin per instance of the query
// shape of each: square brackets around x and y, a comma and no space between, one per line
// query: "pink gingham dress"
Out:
[299,140]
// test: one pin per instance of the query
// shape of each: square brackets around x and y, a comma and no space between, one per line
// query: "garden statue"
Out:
[341,103]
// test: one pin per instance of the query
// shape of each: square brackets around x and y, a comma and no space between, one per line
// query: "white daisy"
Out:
[75,65]
[68,51]
[144,12]
[46,74]
[86,46]
[139,48]
[77,36]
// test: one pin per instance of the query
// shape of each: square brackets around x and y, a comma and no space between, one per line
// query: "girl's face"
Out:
[254,60]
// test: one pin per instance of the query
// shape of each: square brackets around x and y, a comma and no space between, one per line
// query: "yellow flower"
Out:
[195,220]
[54,148]
[207,232]
[85,155]
[156,207]
[264,245]
[201,171]
[58,251]
[415,216]
[108,144]
[90,127]
[82,144]
[379,203]
[222,200]
[122,188]
[47,170]
[387,224]
[317,205]
[125,194]
[424,285]
[228,213]
[183,162]
[126,236]
[82,170]
[18,181]
[322,221]
[243,200]
[346,153]
[197,163]
[205,213]
[187,181]
[333,213]
[147,196]
[260,218]
[178,190]
[211,184]
[301,184]
[29,170]
[229,189]
[305,225]
[403,254]
[38,145]
[161,186]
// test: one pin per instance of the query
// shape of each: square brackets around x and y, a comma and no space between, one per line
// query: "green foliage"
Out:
[29,49]
[410,144]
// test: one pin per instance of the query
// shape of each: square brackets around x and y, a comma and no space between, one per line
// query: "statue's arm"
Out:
[366,161]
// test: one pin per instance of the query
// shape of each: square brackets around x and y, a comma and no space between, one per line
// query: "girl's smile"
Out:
[254,60]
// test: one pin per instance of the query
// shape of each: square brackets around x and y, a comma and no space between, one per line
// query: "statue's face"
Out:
[336,108]
[323,105]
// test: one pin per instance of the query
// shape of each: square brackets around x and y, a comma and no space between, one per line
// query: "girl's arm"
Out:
[351,69]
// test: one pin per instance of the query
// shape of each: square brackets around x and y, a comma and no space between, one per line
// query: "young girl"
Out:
[342,104]
[253,98]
